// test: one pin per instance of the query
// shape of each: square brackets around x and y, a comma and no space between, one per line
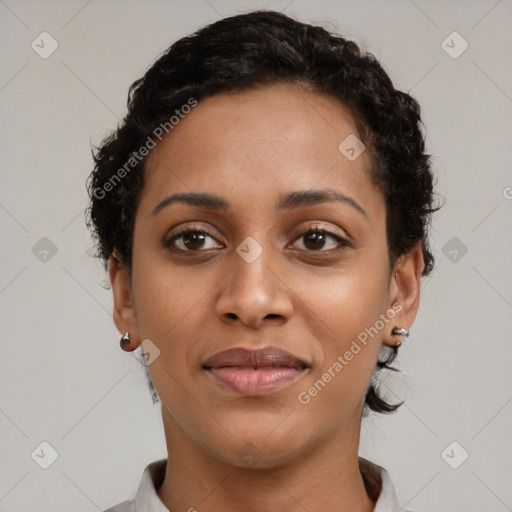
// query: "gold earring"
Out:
[399,331]
[125,342]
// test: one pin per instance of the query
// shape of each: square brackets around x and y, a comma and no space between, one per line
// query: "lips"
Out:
[254,372]
[242,357]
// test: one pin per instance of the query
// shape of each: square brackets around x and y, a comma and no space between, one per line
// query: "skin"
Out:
[249,148]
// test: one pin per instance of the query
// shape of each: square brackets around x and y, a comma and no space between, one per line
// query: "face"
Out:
[287,260]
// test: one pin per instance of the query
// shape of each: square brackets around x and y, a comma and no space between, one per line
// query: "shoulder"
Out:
[146,498]
[379,487]
[125,506]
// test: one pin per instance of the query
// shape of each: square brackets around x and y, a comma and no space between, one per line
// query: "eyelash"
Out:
[343,243]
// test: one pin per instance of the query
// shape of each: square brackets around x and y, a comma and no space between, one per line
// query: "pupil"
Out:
[317,239]
[193,240]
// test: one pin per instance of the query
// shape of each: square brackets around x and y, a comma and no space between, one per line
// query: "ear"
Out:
[405,292]
[125,315]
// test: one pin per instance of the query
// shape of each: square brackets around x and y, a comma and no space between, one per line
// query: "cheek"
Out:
[163,293]
[345,354]
[169,301]
[346,302]
[344,315]
[169,311]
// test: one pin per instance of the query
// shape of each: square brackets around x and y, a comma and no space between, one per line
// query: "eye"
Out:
[190,240]
[315,239]
[195,239]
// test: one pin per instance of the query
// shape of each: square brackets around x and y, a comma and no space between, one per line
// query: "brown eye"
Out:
[316,240]
[190,240]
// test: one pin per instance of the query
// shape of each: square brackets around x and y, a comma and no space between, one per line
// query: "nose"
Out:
[255,294]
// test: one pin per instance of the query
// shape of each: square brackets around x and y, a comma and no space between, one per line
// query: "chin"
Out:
[255,449]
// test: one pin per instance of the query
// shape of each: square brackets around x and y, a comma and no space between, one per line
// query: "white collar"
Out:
[147,500]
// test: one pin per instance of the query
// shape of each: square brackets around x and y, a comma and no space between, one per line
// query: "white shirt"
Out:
[147,500]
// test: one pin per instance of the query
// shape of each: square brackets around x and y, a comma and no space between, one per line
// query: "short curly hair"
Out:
[251,50]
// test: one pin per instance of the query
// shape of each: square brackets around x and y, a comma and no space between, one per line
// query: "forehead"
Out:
[255,145]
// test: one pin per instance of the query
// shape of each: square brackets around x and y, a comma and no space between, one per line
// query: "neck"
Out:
[327,477]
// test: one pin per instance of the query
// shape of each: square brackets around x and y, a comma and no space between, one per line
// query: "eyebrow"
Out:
[289,201]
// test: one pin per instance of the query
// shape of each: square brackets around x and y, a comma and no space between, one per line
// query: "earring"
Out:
[399,331]
[125,341]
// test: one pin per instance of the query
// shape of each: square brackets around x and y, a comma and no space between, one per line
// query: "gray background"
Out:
[64,379]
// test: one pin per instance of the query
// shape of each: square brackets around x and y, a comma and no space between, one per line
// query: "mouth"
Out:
[254,372]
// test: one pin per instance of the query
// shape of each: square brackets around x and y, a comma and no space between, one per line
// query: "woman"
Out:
[264,210]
